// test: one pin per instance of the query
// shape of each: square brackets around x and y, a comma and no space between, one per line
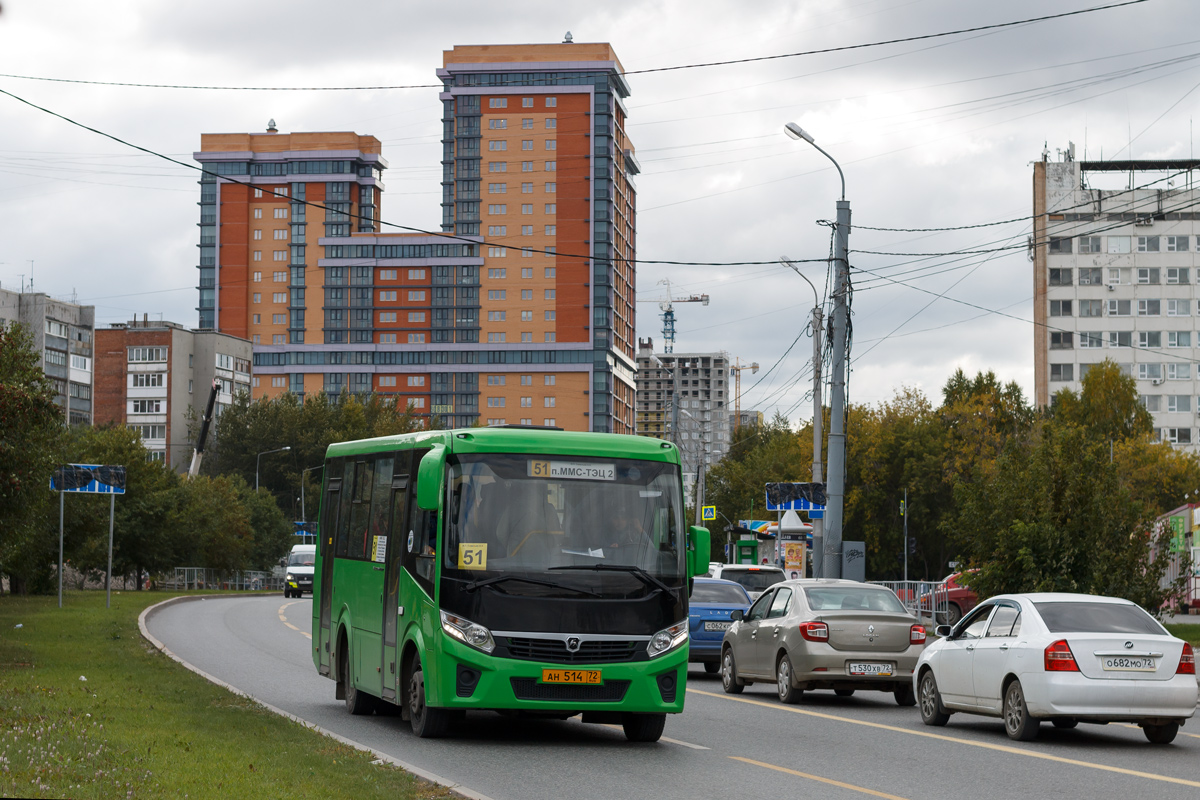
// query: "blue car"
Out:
[712,602]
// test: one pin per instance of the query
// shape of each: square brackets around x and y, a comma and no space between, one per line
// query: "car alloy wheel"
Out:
[783,681]
[931,701]
[1017,722]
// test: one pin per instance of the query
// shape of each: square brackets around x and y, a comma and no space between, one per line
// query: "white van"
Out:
[299,576]
[755,580]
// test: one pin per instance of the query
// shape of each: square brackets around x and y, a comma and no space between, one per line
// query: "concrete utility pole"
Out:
[836,486]
[817,328]
[818,524]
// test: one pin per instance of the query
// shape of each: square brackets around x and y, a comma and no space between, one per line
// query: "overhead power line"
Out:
[649,70]
[408,228]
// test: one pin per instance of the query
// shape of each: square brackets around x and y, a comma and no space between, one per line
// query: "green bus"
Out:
[515,569]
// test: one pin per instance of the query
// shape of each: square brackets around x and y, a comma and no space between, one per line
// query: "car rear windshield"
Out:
[754,580]
[1097,618]
[719,593]
[854,598]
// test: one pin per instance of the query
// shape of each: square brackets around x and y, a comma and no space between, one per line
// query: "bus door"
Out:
[396,544]
[328,527]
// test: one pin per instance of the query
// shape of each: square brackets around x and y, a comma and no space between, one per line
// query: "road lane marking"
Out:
[986,745]
[830,781]
[673,741]
[1181,733]
[284,620]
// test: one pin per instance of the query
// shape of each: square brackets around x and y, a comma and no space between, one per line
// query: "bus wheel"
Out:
[644,727]
[427,722]
[357,703]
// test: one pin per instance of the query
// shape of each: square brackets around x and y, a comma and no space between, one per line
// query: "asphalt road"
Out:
[722,746]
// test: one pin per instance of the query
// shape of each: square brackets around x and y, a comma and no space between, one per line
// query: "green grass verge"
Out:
[1189,633]
[141,725]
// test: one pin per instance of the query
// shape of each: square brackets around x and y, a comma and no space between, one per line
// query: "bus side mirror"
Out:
[429,479]
[699,550]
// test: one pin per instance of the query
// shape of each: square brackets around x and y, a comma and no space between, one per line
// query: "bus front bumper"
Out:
[471,679]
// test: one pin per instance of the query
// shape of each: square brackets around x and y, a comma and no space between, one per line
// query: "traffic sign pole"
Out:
[112,510]
[60,546]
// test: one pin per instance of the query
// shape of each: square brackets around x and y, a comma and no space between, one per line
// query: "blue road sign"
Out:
[89,478]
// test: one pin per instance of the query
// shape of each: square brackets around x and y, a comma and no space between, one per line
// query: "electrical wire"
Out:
[649,70]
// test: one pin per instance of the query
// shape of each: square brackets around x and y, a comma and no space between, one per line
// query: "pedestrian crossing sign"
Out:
[708,513]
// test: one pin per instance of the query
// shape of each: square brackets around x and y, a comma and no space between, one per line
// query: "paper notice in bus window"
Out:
[572,470]
[379,549]
[472,555]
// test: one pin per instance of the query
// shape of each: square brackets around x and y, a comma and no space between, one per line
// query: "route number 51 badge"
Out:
[472,555]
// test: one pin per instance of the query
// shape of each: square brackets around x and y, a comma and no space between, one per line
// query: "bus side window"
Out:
[329,522]
[420,535]
[341,543]
[360,508]
[377,529]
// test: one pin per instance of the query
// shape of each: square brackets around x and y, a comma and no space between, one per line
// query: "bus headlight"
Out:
[290,577]
[467,632]
[668,639]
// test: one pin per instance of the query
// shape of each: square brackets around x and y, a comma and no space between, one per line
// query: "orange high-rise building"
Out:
[521,311]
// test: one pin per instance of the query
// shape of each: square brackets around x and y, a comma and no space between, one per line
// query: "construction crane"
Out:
[667,308]
[202,438]
[736,369]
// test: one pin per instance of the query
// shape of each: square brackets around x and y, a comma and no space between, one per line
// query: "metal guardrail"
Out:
[923,599]
[192,578]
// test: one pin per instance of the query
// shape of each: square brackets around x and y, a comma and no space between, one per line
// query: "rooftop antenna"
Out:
[31,274]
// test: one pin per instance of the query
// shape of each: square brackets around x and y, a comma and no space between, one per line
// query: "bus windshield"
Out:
[569,525]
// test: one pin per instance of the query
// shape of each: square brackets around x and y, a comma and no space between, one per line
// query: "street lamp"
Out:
[303,472]
[835,491]
[258,460]
[818,526]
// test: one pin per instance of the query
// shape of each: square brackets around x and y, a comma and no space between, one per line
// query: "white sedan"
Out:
[1066,658]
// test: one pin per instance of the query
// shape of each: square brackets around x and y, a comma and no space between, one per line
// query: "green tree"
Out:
[220,533]
[245,428]
[31,433]
[895,446]
[1107,406]
[1053,513]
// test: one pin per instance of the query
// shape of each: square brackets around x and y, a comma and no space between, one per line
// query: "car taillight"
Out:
[815,631]
[1187,661]
[916,634]
[1059,658]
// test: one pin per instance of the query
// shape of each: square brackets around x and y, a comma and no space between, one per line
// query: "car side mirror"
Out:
[737,615]
[942,630]
[429,479]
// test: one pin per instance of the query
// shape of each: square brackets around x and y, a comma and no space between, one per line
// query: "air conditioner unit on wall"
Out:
[1144,221]
[1112,287]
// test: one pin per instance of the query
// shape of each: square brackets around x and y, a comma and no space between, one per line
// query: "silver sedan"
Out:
[1062,658]
[824,634]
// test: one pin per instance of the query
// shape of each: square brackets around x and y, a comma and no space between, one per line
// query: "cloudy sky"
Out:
[936,133]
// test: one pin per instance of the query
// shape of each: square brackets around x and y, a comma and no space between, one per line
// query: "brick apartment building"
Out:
[521,310]
[149,375]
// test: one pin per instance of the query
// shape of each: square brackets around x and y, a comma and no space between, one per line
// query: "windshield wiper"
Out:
[638,572]
[473,585]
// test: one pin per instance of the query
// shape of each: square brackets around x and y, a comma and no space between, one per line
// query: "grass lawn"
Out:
[1189,633]
[88,709]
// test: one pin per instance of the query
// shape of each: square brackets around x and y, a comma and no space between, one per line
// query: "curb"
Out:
[384,757]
